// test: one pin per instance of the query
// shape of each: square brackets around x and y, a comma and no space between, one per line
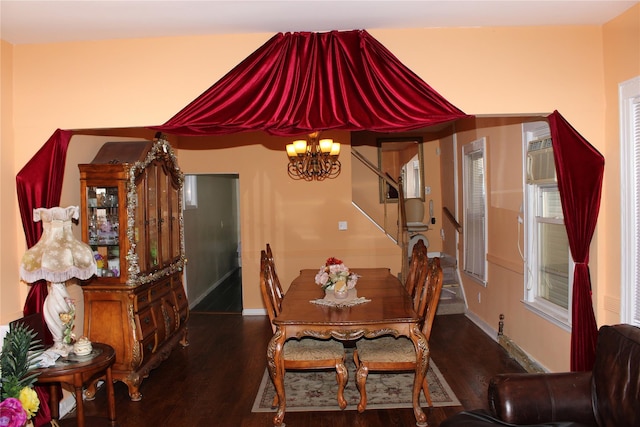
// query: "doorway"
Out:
[213,272]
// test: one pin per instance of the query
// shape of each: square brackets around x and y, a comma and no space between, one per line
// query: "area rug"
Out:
[317,390]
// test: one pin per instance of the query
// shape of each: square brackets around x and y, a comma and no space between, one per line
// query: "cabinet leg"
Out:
[133,383]
[185,339]
[135,395]
[90,391]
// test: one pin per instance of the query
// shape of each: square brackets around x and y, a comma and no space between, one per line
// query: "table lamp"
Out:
[57,257]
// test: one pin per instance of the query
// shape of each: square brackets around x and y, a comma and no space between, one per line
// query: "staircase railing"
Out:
[452,219]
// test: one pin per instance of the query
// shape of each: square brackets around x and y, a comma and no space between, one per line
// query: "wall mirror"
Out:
[401,157]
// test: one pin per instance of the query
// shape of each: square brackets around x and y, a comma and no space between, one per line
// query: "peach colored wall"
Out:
[11,299]
[141,82]
[621,62]
[298,218]
[505,270]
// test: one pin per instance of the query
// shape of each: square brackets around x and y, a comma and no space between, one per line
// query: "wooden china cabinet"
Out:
[131,206]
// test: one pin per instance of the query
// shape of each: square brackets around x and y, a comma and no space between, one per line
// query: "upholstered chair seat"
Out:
[387,349]
[313,349]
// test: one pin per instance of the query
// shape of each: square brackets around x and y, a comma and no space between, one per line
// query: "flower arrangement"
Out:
[334,275]
[19,401]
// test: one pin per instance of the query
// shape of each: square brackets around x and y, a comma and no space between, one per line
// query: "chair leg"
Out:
[425,389]
[341,378]
[361,381]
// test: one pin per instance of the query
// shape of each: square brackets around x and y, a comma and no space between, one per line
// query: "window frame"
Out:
[547,309]
[629,106]
[533,192]
[474,147]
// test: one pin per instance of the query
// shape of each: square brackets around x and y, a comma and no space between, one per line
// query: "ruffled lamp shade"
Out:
[57,257]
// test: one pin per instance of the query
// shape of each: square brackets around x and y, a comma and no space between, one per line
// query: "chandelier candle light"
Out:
[313,160]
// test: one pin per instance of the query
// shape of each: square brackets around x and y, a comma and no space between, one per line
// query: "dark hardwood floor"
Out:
[213,381]
[225,298]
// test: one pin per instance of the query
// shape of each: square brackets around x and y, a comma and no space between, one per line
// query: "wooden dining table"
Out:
[389,311]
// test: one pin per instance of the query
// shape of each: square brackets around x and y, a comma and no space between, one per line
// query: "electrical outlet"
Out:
[342,225]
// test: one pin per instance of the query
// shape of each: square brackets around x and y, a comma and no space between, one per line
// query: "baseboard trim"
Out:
[486,328]
[514,351]
[520,355]
[254,312]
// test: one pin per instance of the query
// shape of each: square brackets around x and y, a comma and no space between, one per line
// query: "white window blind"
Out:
[629,94]
[474,193]
[636,157]
[553,249]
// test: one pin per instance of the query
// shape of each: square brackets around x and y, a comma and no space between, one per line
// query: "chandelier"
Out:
[313,160]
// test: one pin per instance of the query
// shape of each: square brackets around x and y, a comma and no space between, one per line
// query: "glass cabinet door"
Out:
[174,195]
[152,216]
[165,236]
[140,227]
[103,224]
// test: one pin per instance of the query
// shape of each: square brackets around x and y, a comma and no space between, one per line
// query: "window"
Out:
[549,267]
[475,210]
[190,192]
[629,94]
[552,267]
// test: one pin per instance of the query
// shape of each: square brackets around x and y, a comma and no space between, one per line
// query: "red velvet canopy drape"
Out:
[297,83]
[580,169]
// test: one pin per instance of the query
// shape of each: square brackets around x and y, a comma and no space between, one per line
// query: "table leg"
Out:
[275,363]
[53,401]
[111,397]
[79,406]
[422,361]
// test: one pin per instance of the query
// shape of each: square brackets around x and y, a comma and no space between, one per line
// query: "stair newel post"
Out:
[403,231]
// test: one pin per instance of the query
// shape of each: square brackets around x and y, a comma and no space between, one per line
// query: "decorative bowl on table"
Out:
[82,347]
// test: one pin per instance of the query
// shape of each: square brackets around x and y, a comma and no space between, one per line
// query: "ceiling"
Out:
[49,21]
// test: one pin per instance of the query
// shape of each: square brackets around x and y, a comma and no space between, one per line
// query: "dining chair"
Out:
[418,258]
[278,286]
[389,353]
[304,353]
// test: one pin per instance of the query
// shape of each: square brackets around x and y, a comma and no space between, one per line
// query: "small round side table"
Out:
[78,371]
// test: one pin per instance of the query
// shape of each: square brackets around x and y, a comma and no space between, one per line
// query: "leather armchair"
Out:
[607,396]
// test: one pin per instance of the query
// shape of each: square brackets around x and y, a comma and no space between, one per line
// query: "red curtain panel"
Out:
[580,169]
[39,184]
